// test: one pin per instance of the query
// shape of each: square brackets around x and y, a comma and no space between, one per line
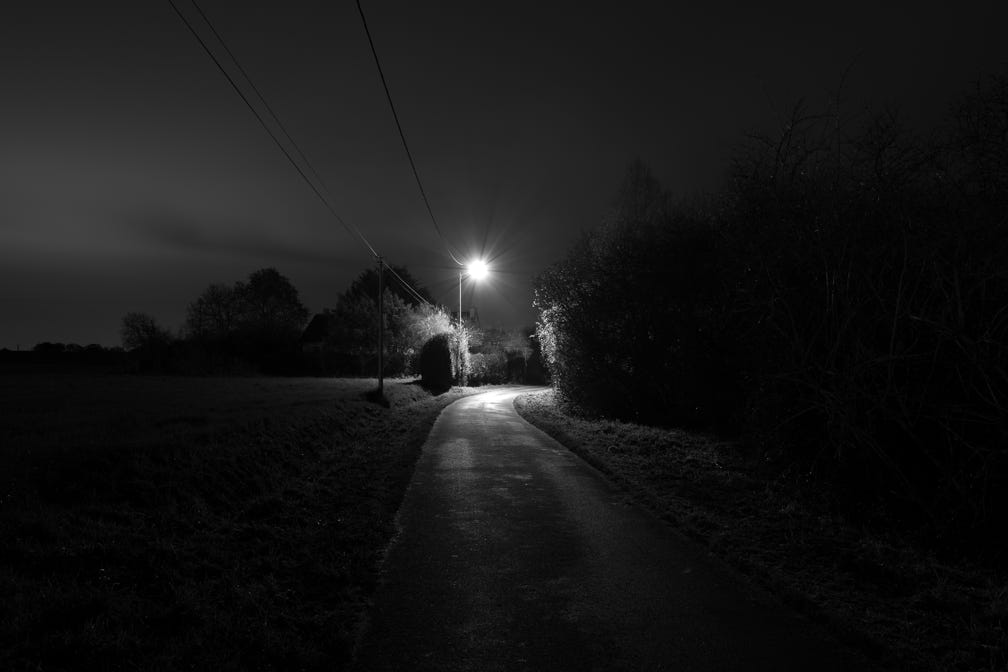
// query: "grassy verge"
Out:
[906,608]
[170,524]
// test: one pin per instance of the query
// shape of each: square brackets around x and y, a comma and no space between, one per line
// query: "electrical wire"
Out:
[276,119]
[402,136]
[265,103]
[409,287]
[262,122]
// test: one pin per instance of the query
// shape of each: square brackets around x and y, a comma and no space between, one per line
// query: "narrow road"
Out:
[514,554]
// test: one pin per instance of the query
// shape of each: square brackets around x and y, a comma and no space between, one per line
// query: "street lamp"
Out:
[477,270]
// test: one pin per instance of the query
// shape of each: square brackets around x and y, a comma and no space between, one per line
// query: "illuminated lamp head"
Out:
[477,269]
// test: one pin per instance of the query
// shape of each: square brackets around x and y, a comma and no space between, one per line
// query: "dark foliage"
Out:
[445,360]
[873,290]
[257,327]
[844,303]
[632,321]
[140,331]
[53,357]
[272,313]
[250,326]
[436,371]
[148,343]
[346,341]
[535,367]
[437,362]
[366,284]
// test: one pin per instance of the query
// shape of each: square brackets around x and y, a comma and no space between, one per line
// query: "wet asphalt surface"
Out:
[514,554]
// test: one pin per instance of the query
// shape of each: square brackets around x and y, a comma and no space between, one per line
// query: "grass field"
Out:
[194,523]
[905,607]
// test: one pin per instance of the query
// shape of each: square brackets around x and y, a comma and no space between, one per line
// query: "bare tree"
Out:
[140,331]
[215,314]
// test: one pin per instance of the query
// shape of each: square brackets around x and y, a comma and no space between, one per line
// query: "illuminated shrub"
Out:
[489,368]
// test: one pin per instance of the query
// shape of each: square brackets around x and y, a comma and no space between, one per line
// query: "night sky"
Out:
[132,175]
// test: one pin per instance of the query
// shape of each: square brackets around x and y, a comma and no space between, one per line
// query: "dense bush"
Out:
[441,365]
[874,291]
[632,322]
[488,368]
[845,299]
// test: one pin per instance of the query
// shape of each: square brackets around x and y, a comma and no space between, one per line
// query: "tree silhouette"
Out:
[140,331]
[270,307]
[215,314]
[366,284]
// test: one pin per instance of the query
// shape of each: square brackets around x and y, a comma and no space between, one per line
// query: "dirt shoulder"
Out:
[902,607]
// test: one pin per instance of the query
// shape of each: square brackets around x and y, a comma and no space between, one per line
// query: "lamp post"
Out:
[381,329]
[477,270]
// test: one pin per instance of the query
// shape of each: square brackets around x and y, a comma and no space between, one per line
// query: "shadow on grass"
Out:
[433,390]
[377,397]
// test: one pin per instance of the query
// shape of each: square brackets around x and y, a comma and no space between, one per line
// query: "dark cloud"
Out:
[238,239]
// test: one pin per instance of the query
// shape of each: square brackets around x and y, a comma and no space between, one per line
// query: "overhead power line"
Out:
[408,287]
[276,119]
[402,136]
[352,230]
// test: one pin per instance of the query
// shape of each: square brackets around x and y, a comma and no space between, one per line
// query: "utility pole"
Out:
[381,327]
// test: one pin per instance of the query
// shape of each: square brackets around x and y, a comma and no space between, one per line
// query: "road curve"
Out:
[514,554]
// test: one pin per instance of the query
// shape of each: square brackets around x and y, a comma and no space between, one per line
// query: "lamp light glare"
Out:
[478,269]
